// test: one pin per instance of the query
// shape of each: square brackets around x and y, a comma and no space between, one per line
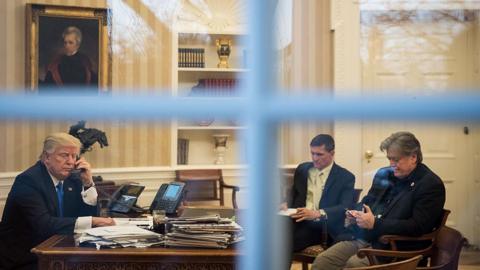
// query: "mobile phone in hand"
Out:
[348,213]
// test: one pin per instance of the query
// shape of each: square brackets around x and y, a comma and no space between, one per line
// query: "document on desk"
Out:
[146,222]
[121,236]
[112,231]
[287,212]
[200,219]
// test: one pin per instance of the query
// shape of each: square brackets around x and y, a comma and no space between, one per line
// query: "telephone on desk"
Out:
[168,197]
[123,200]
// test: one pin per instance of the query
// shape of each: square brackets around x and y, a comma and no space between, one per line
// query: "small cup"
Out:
[159,220]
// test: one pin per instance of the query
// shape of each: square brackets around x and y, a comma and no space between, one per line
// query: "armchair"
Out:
[444,254]
[206,185]
[394,239]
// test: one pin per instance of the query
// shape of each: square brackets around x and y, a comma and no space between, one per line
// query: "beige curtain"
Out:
[305,66]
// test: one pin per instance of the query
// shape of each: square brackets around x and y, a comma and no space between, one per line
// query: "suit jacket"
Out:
[337,194]
[417,209]
[31,214]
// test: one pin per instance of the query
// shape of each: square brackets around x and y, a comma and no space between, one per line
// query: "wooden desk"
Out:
[59,253]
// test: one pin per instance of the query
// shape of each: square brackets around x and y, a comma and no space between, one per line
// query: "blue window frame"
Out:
[262,109]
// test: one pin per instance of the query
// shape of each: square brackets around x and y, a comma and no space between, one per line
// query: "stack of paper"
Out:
[143,222]
[206,231]
[199,219]
[120,236]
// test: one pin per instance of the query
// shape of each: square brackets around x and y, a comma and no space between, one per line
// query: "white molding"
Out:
[133,169]
[214,70]
[211,127]
[7,175]
[289,166]
[212,166]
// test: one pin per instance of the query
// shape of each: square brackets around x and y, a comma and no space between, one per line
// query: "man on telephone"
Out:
[47,199]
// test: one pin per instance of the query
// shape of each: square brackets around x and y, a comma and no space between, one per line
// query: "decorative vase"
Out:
[220,147]
[223,50]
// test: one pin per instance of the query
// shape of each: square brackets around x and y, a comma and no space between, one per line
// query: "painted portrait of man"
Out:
[68,54]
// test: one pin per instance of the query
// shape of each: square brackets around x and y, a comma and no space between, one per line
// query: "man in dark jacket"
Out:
[406,198]
[46,200]
[321,190]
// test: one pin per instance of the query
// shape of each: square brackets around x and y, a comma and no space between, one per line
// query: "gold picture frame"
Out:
[46,29]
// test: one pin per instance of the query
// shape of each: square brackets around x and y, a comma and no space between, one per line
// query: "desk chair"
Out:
[206,185]
[308,255]
[409,264]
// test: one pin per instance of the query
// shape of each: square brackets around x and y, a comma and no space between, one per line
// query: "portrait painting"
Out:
[68,48]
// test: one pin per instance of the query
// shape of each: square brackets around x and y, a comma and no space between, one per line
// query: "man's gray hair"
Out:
[53,141]
[405,142]
[73,30]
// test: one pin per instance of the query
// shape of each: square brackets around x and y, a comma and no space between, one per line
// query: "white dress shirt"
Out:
[315,186]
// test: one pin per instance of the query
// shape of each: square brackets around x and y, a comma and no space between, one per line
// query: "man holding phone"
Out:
[46,200]
[406,198]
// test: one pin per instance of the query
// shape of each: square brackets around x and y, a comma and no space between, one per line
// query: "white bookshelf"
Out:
[200,136]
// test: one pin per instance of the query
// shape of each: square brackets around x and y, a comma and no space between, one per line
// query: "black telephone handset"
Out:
[168,197]
[75,173]
[123,199]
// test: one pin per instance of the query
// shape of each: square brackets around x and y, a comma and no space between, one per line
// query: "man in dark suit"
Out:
[406,198]
[47,199]
[321,190]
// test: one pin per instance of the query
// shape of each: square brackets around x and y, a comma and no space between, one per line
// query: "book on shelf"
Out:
[191,57]
[182,149]
[215,87]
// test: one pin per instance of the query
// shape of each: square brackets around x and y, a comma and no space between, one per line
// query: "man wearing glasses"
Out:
[406,198]
[47,199]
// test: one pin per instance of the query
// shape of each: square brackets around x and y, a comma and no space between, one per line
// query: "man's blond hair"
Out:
[55,140]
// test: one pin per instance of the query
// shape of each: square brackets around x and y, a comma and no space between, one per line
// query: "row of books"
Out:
[191,57]
[215,87]
[182,149]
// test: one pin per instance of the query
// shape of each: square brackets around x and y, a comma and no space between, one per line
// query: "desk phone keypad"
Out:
[169,206]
